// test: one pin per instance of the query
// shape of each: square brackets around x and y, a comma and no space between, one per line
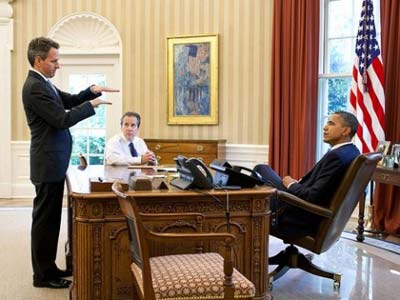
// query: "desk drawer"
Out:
[181,148]
[166,150]
[168,158]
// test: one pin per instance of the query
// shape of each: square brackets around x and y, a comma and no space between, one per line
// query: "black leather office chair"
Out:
[334,219]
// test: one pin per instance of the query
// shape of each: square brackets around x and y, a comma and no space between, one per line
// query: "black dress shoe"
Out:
[56,283]
[62,273]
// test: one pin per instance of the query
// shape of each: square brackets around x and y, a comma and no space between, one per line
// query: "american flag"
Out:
[367,98]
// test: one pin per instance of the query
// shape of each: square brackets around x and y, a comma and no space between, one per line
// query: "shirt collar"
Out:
[125,140]
[341,145]
[44,77]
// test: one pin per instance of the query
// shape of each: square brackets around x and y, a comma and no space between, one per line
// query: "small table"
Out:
[384,175]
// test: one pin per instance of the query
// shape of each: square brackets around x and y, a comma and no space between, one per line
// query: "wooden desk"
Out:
[381,175]
[101,257]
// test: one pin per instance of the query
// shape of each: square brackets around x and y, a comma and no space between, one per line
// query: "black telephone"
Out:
[193,173]
[228,175]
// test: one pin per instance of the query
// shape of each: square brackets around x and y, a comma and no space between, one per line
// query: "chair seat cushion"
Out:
[194,276]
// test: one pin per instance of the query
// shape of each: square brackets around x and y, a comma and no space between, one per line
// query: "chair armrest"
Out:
[302,204]
[227,238]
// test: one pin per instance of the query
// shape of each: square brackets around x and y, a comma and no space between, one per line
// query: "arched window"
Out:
[90,53]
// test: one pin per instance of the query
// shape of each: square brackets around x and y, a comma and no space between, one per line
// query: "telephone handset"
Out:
[193,173]
[234,175]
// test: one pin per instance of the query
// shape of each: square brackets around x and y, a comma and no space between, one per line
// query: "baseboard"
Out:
[246,155]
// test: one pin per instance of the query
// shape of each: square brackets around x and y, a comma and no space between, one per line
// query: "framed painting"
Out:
[192,76]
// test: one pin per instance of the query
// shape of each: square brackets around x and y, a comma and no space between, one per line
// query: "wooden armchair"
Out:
[334,219]
[181,276]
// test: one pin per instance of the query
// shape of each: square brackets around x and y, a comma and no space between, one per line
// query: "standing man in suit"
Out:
[126,148]
[50,112]
[319,184]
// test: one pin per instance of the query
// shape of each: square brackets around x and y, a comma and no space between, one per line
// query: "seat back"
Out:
[344,200]
[139,247]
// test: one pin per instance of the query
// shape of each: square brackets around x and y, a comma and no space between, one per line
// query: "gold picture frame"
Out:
[192,80]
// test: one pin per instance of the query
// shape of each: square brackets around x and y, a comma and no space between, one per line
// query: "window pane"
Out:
[341,18]
[341,54]
[74,160]
[338,94]
[96,144]
[79,144]
[95,160]
[79,82]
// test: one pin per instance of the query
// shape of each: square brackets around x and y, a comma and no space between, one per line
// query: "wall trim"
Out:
[21,185]
[236,154]
[246,155]
[6,48]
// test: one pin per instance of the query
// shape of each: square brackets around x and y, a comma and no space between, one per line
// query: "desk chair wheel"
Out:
[337,277]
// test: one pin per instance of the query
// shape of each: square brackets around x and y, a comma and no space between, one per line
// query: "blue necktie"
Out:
[52,87]
[133,150]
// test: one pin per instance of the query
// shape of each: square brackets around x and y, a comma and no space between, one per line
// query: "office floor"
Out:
[368,272]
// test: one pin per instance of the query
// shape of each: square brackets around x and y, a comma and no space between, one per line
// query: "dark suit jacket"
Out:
[48,120]
[318,185]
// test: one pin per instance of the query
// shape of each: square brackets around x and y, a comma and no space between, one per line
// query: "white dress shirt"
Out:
[117,150]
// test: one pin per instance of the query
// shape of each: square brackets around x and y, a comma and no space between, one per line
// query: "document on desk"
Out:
[166,169]
[141,167]
[156,168]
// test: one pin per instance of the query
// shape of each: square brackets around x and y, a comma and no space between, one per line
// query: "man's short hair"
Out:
[40,47]
[349,120]
[131,114]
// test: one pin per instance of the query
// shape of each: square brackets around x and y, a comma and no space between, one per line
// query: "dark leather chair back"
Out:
[343,203]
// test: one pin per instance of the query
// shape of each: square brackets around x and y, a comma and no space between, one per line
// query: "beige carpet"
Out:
[15,258]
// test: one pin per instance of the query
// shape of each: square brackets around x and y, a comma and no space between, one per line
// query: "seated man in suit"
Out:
[319,184]
[126,148]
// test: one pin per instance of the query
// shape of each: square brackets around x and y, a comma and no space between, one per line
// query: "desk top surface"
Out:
[387,175]
[78,182]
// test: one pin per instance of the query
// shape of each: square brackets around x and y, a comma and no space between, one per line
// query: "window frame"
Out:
[323,65]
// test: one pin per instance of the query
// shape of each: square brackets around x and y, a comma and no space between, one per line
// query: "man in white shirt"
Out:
[126,148]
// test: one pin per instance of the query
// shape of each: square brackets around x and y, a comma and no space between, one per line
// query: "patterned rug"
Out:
[376,242]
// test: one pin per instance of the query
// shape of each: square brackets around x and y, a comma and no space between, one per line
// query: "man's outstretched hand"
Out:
[95,89]
[96,102]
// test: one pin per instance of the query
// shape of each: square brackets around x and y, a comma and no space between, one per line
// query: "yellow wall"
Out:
[245,36]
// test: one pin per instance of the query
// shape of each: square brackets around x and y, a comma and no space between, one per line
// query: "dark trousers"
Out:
[272,179]
[288,220]
[46,220]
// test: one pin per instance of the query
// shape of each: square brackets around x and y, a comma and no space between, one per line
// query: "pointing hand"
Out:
[95,89]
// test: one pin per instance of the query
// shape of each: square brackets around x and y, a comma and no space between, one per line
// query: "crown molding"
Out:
[6,10]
